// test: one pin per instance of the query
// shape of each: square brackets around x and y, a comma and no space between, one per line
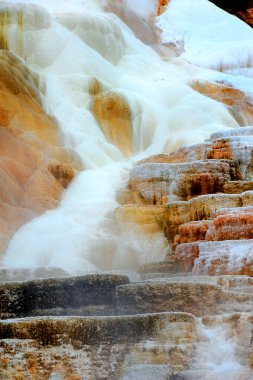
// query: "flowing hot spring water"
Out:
[75,46]
[117,80]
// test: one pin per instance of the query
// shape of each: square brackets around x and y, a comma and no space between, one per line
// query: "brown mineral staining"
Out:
[205,216]
[251,360]
[219,92]
[104,326]
[20,17]
[63,173]
[233,227]
[199,208]
[192,231]
[114,117]
[106,358]
[162,6]
[158,183]
[197,220]
[237,187]
[238,103]
[34,169]
[95,87]
[230,224]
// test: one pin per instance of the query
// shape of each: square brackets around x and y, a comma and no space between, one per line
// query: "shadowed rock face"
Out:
[240,8]
[104,295]
[235,4]
[88,295]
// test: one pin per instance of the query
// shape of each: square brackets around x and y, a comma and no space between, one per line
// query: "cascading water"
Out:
[217,361]
[71,48]
[123,84]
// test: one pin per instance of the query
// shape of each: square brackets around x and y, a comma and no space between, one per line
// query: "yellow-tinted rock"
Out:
[237,187]
[127,196]
[114,117]
[19,18]
[34,167]
[149,217]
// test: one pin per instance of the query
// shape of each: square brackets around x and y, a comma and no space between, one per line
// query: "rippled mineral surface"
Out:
[126,190]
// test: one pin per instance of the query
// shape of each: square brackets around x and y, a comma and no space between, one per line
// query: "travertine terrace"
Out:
[126,197]
[210,232]
[157,321]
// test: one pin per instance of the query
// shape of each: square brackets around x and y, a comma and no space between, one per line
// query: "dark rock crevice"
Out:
[240,8]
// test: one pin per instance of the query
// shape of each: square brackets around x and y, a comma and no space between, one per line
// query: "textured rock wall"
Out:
[196,195]
[125,346]
[176,316]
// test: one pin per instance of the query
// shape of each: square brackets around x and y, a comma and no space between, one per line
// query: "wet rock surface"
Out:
[208,269]
[35,168]
[156,338]
[186,317]
[158,183]
[87,295]
[96,348]
[114,116]
[171,316]
[236,101]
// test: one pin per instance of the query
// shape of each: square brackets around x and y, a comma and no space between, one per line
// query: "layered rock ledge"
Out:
[145,337]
